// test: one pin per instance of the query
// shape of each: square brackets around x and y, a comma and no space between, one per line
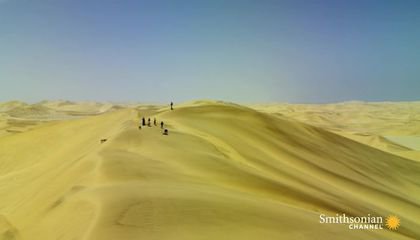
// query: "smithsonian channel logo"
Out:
[391,222]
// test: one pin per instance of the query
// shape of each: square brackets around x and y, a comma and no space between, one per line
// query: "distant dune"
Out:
[18,117]
[389,126]
[225,171]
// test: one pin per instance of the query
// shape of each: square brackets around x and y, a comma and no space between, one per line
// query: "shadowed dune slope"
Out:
[223,172]
[393,127]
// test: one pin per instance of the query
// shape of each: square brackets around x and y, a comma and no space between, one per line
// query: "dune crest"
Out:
[225,171]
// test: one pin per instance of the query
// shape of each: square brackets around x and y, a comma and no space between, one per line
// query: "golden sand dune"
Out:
[17,117]
[390,126]
[224,172]
[80,108]
[6,106]
[385,118]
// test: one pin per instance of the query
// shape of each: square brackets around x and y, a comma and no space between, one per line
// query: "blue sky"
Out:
[241,51]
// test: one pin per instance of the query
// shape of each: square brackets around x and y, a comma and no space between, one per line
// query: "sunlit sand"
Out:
[224,171]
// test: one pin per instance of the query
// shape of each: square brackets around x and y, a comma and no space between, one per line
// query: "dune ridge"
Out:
[225,171]
[377,124]
[17,117]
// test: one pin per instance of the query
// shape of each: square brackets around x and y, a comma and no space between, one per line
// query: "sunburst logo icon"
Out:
[392,222]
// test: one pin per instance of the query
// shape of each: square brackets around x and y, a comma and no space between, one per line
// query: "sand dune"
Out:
[390,126]
[225,171]
[17,117]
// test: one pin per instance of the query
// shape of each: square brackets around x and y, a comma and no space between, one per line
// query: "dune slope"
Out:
[223,172]
[393,127]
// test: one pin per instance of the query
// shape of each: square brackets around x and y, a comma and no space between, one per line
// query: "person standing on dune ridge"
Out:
[172,106]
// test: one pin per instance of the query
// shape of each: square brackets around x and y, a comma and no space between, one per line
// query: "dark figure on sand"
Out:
[148,122]
[172,106]
[161,124]
[165,132]
[143,121]
[154,122]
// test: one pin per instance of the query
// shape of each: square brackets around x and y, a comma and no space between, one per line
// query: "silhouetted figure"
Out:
[161,124]
[172,106]
[148,122]
[154,122]
[143,121]
[140,127]
[165,132]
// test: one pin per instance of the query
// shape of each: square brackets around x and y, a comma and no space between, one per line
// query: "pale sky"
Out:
[233,50]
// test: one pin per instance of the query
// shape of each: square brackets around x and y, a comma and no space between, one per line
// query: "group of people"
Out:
[149,122]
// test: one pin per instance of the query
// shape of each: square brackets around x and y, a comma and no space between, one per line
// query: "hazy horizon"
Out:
[236,51]
[194,100]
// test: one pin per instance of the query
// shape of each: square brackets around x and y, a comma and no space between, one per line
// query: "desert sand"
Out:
[225,171]
[390,126]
